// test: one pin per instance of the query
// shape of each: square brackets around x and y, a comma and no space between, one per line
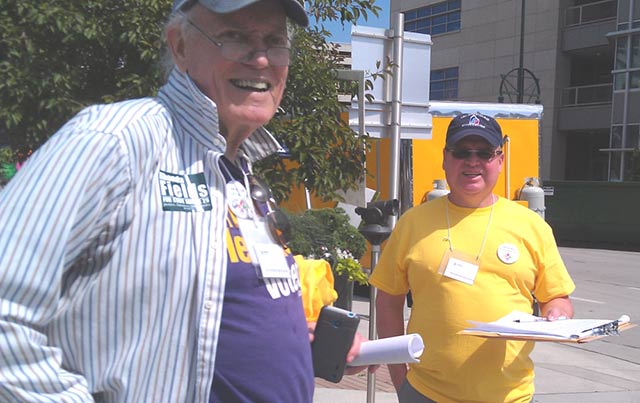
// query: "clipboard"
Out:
[525,327]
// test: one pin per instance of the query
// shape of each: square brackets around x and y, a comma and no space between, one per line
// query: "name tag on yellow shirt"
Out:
[459,266]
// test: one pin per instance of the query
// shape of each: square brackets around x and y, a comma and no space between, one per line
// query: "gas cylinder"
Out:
[534,195]
[439,189]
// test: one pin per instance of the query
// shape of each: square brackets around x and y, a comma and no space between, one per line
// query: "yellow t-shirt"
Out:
[519,257]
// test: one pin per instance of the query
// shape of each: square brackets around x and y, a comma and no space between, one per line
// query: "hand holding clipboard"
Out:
[522,326]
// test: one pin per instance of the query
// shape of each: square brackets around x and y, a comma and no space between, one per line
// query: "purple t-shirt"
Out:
[264,354]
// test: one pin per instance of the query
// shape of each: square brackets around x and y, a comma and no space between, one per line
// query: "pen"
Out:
[537,319]
[531,320]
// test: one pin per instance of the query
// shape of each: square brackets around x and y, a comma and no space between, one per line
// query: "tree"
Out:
[59,56]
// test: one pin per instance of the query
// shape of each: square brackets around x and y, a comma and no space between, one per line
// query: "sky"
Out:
[344,35]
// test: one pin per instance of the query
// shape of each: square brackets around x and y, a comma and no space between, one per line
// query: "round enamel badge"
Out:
[508,253]
[237,199]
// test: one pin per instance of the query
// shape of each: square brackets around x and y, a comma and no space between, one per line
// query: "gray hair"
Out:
[166,59]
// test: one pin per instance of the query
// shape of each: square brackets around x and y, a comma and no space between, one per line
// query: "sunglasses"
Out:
[485,155]
[278,222]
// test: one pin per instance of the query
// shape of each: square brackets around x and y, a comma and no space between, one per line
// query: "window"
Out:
[634,74]
[621,54]
[593,11]
[434,19]
[616,136]
[614,167]
[627,46]
[635,51]
[634,79]
[632,166]
[625,154]
[633,136]
[444,84]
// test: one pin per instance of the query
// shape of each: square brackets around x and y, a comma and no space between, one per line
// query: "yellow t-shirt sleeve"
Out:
[553,279]
[390,273]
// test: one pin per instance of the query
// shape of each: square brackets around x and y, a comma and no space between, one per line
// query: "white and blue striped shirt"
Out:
[104,295]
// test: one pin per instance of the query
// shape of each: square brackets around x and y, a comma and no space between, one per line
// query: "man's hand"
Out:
[391,323]
[557,308]
[311,326]
[358,339]
[351,355]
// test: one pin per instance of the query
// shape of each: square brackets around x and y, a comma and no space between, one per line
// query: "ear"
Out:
[177,43]
[501,161]
[444,155]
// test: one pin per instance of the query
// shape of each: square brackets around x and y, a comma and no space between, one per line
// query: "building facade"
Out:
[579,58]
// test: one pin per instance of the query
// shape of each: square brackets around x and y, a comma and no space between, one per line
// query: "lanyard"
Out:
[486,232]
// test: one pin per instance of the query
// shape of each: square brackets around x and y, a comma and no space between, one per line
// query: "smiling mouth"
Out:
[251,85]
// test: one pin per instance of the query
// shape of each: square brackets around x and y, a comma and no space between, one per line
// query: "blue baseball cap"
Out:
[294,10]
[474,124]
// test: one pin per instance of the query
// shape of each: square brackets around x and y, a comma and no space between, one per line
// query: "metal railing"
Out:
[592,12]
[587,95]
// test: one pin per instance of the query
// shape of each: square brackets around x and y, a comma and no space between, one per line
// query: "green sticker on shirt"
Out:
[184,192]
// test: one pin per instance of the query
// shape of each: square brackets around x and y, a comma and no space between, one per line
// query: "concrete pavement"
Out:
[606,370]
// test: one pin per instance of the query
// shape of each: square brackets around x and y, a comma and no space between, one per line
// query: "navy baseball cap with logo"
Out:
[293,8]
[474,124]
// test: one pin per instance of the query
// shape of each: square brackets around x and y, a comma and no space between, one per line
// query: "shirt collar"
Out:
[196,115]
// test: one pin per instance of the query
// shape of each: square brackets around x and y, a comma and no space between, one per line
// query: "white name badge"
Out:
[265,253]
[459,266]
[273,264]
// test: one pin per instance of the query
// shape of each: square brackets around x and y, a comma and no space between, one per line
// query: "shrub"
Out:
[327,234]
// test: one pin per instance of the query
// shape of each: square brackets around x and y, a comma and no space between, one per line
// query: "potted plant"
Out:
[326,233]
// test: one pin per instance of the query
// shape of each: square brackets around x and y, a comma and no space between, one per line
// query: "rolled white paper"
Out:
[392,350]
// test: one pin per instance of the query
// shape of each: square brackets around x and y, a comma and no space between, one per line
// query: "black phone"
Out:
[332,340]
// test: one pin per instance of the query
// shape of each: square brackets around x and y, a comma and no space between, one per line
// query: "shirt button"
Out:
[208,305]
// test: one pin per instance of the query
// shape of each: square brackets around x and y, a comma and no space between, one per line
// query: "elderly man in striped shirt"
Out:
[140,266]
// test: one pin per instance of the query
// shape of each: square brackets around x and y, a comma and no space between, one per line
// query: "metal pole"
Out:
[521,66]
[356,75]
[396,107]
[373,292]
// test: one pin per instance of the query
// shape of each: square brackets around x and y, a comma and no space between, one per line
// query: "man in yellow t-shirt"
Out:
[469,256]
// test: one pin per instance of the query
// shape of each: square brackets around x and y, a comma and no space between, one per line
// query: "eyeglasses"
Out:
[243,52]
[186,5]
[485,155]
[278,222]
